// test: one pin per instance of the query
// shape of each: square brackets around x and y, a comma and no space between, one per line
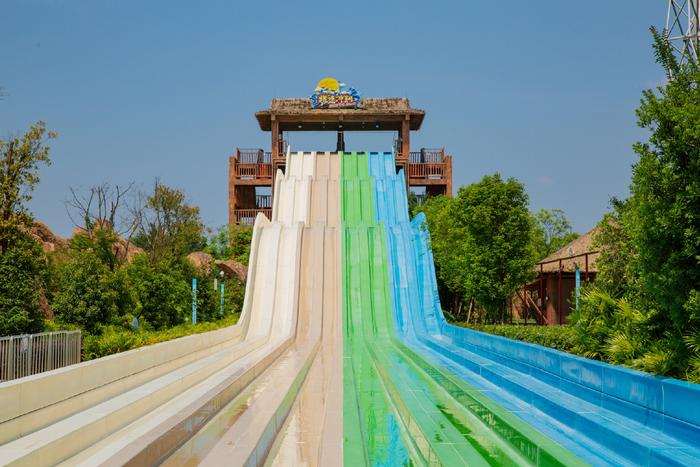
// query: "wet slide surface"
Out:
[288,415]
[601,414]
[342,356]
[401,408]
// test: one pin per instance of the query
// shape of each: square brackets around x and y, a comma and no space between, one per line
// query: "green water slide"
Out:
[399,408]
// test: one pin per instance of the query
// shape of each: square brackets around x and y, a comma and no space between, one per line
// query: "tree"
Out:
[552,232]
[218,244]
[168,227]
[663,219]
[499,257]
[241,237]
[163,294]
[613,241]
[101,217]
[89,294]
[20,159]
[650,265]
[448,242]
[22,277]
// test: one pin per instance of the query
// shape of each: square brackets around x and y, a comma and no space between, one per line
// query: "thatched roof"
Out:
[385,112]
[583,244]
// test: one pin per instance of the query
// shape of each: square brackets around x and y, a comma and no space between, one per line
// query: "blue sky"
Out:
[542,91]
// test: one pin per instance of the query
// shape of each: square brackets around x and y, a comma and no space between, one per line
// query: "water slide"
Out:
[342,356]
[601,414]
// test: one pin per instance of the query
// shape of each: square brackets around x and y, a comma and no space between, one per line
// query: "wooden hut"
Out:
[552,296]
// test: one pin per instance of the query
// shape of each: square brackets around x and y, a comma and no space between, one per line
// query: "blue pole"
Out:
[222,298]
[194,300]
[578,285]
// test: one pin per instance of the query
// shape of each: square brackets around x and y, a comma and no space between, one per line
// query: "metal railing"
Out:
[263,201]
[29,354]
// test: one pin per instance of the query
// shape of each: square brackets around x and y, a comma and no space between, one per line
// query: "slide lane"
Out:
[298,391]
[312,433]
[594,427]
[400,407]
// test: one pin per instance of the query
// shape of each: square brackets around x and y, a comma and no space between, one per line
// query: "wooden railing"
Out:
[252,164]
[428,164]
[254,156]
[247,216]
[427,156]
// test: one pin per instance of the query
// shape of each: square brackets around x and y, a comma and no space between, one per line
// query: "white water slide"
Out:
[266,390]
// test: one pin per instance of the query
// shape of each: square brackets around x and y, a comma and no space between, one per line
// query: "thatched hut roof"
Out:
[583,244]
[387,113]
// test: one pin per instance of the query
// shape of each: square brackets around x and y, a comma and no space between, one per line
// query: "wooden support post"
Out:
[406,137]
[232,190]
[275,150]
[543,306]
[275,131]
[560,306]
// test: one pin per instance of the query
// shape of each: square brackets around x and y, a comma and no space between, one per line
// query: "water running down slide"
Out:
[603,414]
[341,260]
[399,407]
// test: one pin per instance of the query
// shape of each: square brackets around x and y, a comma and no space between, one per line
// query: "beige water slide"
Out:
[266,390]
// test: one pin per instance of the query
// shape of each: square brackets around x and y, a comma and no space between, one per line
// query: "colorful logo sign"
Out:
[330,94]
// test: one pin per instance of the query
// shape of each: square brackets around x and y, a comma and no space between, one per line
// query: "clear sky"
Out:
[544,91]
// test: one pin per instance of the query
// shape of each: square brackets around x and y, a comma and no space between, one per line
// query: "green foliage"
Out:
[448,242]
[613,241]
[644,310]
[556,337]
[482,244]
[19,173]
[662,216]
[614,330]
[116,339]
[241,237]
[218,244]
[233,243]
[169,227]
[89,294]
[100,243]
[499,257]
[234,295]
[552,232]
[208,308]
[22,277]
[163,296]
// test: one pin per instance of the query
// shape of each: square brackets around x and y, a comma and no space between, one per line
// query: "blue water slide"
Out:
[605,414]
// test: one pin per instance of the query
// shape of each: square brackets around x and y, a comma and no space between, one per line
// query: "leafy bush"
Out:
[615,331]
[115,339]
[218,245]
[89,294]
[163,296]
[556,337]
[241,237]
[22,269]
